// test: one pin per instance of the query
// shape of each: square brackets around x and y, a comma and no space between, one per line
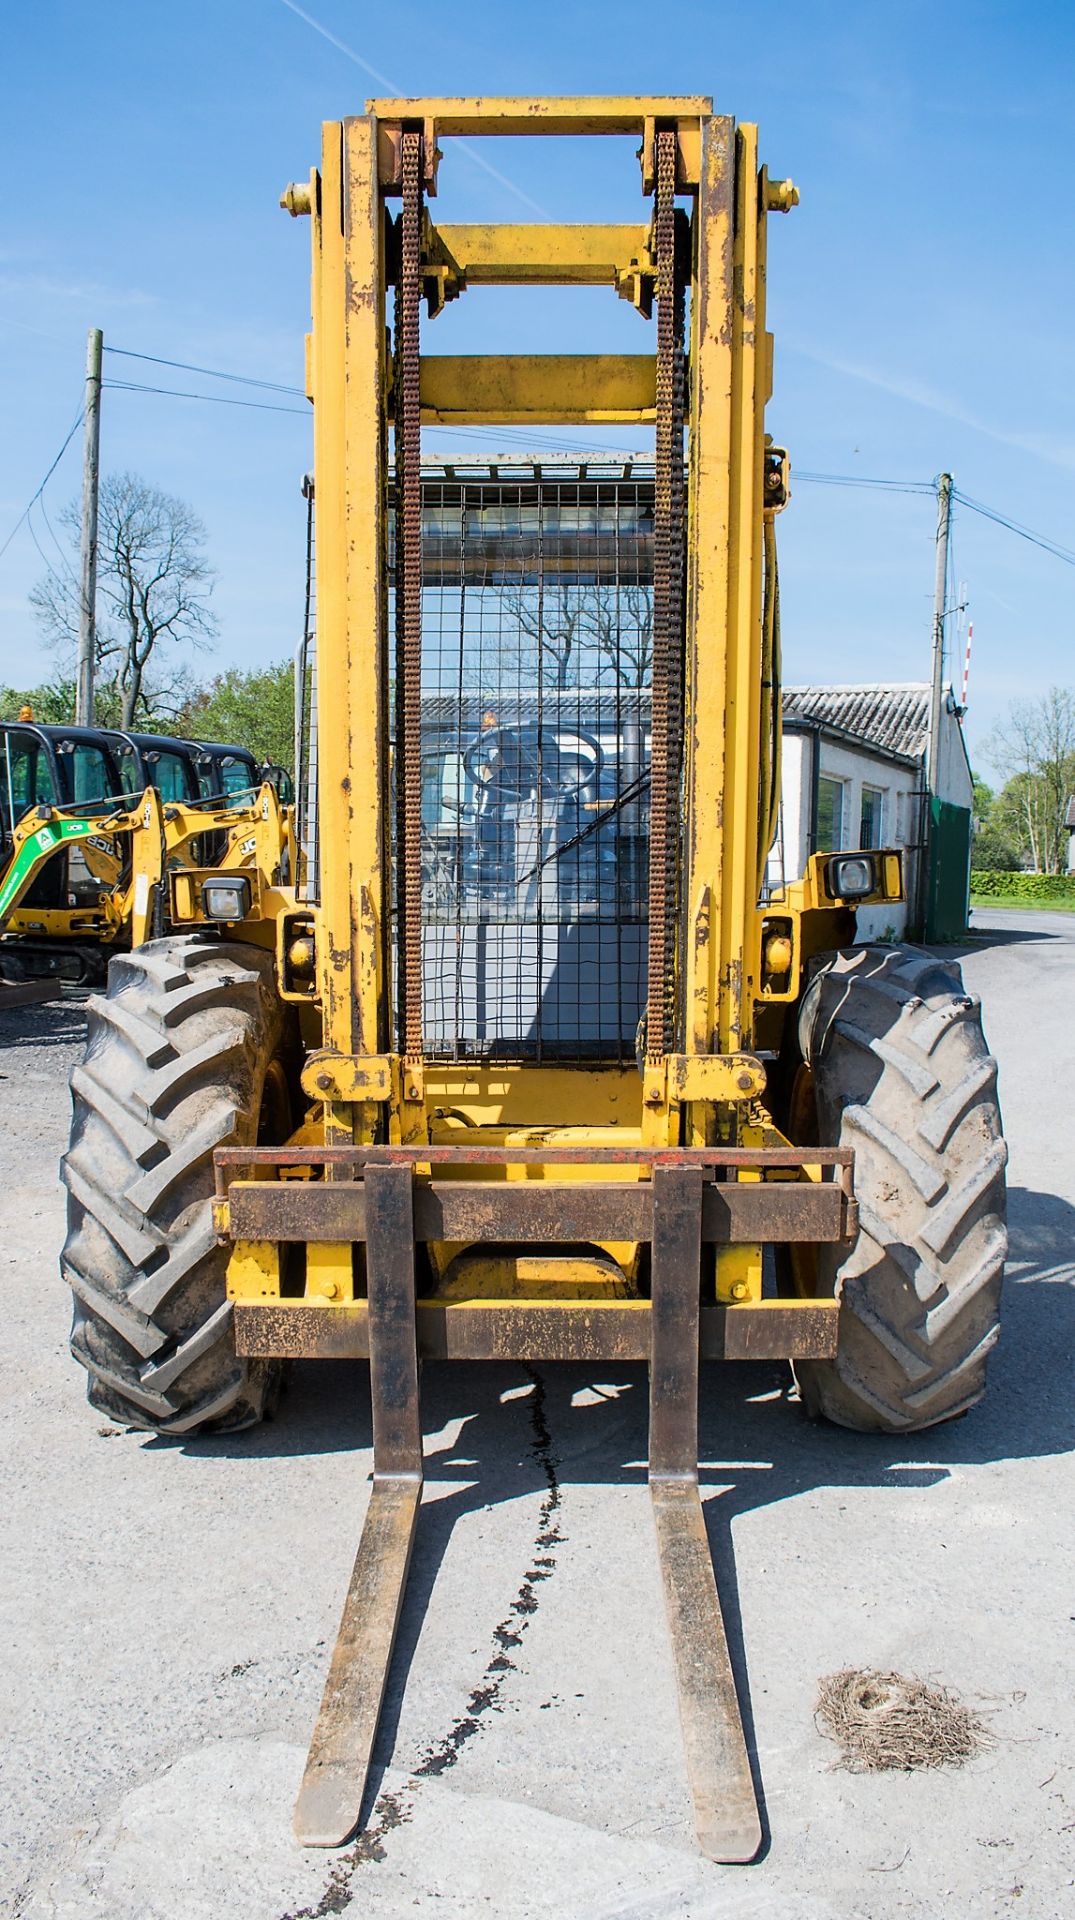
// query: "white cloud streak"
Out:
[1039,446]
[465,146]
[45,287]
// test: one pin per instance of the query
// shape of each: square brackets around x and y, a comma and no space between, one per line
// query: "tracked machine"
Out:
[533,1059]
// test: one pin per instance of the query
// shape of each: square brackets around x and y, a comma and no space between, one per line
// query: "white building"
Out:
[854,776]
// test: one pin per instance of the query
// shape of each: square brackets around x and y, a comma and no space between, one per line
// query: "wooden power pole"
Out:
[936,704]
[91,474]
[940,591]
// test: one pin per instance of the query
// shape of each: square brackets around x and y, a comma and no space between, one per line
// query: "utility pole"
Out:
[940,591]
[936,704]
[91,473]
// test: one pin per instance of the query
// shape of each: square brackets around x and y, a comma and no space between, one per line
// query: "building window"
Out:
[830,815]
[871,833]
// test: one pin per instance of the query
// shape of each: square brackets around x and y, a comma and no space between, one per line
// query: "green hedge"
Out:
[1042,887]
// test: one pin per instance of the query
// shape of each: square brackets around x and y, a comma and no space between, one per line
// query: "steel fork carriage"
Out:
[374,1198]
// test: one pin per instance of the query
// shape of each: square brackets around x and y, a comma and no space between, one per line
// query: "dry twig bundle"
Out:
[885,1721]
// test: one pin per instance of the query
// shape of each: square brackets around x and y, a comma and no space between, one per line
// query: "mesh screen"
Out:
[537,614]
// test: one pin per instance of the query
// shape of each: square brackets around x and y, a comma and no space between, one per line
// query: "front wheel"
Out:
[190,1049]
[892,1062]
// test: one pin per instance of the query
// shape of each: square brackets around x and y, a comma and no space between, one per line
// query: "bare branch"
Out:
[153,589]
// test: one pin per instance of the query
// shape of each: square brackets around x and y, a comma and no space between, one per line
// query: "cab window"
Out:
[227,774]
[131,778]
[89,773]
[27,776]
[169,774]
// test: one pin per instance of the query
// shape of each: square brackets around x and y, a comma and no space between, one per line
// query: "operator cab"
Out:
[224,772]
[56,766]
[278,777]
[158,760]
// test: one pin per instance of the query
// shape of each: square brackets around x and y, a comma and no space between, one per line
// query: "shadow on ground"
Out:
[978,938]
[556,1427]
[53,1023]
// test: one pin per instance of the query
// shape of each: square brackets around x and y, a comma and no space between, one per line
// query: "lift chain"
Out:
[408,581]
[668,581]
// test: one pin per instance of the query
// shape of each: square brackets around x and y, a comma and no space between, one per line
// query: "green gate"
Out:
[948,892]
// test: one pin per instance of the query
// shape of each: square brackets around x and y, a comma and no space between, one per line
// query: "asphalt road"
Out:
[168,1609]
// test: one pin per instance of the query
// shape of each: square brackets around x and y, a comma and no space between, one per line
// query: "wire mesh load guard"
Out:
[537,613]
[537,635]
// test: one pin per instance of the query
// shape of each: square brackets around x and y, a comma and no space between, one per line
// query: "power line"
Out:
[41,551]
[64,563]
[928,486]
[34,497]
[55,538]
[542,441]
[212,373]
[1013,526]
[211,399]
[863,480]
[499,434]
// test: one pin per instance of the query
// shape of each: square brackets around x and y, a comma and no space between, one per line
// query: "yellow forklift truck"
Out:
[530,1061]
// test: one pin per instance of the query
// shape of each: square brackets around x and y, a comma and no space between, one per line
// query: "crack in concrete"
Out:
[486,1696]
[392,1810]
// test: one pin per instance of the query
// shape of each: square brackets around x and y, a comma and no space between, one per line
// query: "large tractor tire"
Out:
[892,1062]
[189,1049]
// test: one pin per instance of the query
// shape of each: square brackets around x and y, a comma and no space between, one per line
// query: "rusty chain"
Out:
[668,580]
[408,453]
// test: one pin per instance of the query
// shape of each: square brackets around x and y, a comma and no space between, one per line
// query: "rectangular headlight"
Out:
[851,876]
[226,897]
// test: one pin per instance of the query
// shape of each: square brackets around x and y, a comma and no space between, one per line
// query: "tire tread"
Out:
[904,1076]
[176,1053]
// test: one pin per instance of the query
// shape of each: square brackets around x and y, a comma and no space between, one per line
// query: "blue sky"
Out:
[920,295]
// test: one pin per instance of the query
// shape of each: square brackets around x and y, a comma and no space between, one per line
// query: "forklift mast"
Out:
[712,722]
[525,1069]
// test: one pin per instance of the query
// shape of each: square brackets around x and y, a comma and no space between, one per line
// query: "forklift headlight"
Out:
[849,879]
[226,897]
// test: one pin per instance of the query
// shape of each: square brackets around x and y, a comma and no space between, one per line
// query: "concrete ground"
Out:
[168,1609]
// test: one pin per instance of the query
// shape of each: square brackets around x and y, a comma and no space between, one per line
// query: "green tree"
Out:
[1035,748]
[994,847]
[992,851]
[983,800]
[252,709]
[53,704]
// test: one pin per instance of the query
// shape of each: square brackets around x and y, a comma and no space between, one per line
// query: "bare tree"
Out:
[153,589]
[622,625]
[1035,749]
[574,630]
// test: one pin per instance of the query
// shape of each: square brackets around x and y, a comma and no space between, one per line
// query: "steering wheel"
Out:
[568,758]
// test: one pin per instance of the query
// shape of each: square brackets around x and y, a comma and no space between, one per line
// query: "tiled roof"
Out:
[895,718]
